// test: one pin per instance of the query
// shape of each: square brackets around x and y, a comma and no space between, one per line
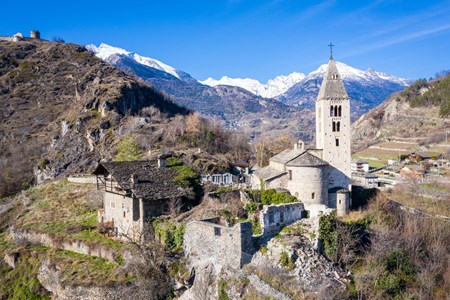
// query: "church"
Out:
[320,176]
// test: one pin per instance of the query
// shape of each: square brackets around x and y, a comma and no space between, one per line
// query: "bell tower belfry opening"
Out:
[333,134]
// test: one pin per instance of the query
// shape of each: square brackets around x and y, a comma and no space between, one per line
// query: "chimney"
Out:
[162,161]
[134,179]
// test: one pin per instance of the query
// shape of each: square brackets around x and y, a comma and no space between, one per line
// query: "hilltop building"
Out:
[319,177]
[34,35]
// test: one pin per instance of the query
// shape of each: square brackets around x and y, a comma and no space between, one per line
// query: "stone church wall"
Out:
[274,217]
[309,184]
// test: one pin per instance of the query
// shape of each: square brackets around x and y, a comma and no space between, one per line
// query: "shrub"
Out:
[286,261]
[271,196]
[169,233]
[128,150]
[327,233]
[251,207]
[186,177]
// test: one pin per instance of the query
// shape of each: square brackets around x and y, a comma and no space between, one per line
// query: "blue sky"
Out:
[252,38]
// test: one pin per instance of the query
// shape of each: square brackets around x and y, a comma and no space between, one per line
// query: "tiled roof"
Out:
[153,183]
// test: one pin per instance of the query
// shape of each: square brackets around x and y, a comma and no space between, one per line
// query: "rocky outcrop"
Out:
[62,108]
[310,270]
[49,277]
[205,282]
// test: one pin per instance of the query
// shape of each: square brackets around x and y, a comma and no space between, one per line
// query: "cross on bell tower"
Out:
[331,45]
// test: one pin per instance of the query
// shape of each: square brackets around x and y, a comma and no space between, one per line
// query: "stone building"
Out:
[212,239]
[315,176]
[134,191]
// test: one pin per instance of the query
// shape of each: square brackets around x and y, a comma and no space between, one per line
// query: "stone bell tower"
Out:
[333,133]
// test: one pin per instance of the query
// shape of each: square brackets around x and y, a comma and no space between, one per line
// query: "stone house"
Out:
[135,191]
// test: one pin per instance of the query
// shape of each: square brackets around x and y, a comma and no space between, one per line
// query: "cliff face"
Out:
[61,109]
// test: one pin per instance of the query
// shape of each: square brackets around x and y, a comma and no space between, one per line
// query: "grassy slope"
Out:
[64,210]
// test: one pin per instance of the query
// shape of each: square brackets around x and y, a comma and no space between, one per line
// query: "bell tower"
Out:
[333,133]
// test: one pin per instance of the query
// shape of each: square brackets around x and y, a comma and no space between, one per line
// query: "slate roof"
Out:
[306,159]
[332,88]
[153,183]
[287,155]
[268,173]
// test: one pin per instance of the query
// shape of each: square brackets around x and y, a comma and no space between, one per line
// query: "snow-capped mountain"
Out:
[366,88]
[272,88]
[107,53]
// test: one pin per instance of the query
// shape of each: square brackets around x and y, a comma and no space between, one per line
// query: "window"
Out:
[290,174]
[113,204]
[334,126]
[338,126]
[340,111]
[124,214]
[331,111]
[337,142]
[336,111]
[217,231]
[312,196]
[339,201]
[271,220]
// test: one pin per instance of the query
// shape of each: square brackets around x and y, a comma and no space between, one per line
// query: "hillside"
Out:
[60,110]
[419,114]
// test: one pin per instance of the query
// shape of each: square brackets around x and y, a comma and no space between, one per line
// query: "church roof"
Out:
[332,86]
[306,159]
[287,155]
[268,173]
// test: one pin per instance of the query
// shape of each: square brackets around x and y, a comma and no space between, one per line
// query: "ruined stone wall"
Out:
[77,246]
[223,246]
[82,179]
[277,182]
[315,210]
[274,217]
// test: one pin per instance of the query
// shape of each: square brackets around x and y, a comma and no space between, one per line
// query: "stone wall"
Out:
[274,217]
[315,210]
[207,240]
[69,245]
[82,179]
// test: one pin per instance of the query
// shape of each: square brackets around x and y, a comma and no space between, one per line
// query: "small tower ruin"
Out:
[35,34]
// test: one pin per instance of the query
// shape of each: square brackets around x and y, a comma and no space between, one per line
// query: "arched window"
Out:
[340,111]
[331,110]
[334,126]
[336,111]
[312,196]
[338,126]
